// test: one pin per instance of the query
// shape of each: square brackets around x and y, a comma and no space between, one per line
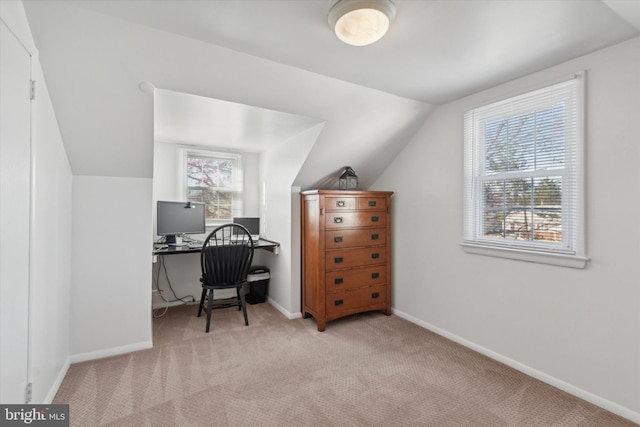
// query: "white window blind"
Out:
[523,171]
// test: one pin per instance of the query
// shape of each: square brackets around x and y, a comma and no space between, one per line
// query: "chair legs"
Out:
[204,294]
[238,292]
[209,305]
[208,295]
[209,309]
[243,305]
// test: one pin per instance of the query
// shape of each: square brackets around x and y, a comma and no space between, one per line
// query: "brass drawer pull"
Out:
[338,302]
[375,275]
[338,281]
[375,295]
[340,203]
[337,219]
[337,239]
[375,237]
[338,259]
[375,255]
[372,203]
[375,219]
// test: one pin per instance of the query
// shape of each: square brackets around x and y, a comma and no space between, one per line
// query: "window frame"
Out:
[237,187]
[572,251]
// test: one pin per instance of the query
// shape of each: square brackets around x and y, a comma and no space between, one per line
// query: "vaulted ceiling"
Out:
[435,51]
[280,55]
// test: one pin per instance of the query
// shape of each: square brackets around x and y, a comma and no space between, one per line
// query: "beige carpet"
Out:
[365,370]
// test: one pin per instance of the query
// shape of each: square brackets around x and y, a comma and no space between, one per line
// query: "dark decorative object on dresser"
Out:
[348,180]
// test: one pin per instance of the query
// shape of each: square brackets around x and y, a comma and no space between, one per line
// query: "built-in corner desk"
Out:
[163,249]
[189,276]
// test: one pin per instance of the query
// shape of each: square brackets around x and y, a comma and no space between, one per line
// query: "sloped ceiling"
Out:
[281,56]
[184,118]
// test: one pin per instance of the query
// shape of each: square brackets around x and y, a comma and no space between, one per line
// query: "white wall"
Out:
[15,215]
[279,167]
[51,264]
[51,229]
[577,329]
[111,249]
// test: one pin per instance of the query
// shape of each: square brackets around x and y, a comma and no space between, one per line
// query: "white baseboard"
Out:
[282,310]
[555,382]
[58,382]
[107,352]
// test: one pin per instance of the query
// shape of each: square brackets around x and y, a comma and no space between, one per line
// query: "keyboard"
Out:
[194,244]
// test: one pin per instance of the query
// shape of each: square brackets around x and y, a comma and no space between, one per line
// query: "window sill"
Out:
[562,260]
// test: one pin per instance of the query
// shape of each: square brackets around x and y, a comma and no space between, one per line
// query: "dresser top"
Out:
[348,192]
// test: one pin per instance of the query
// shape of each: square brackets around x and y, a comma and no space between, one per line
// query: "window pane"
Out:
[494,194]
[550,130]
[526,142]
[195,195]
[548,191]
[209,172]
[218,204]
[494,223]
[496,146]
[548,224]
[210,181]
[494,199]
[521,142]
[524,209]
[510,144]
[547,212]
[518,193]
[517,213]
[517,224]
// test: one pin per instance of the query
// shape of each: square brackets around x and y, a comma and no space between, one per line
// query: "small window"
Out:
[524,176]
[213,179]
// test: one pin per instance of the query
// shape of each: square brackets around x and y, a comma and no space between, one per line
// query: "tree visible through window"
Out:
[523,167]
[210,180]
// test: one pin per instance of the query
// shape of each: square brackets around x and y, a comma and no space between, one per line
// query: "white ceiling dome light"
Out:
[361,22]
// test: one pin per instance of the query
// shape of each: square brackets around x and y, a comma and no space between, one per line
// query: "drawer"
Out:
[340,203]
[350,258]
[335,220]
[359,277]
[372,203]
[335,239]
[356,298]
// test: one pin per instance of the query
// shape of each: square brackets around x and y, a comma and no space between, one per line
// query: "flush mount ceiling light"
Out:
[361,22]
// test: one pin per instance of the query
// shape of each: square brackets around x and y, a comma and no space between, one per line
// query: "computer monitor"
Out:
[250,223]
[174,219]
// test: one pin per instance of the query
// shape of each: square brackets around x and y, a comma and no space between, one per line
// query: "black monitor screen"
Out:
[250,223]
[176,218]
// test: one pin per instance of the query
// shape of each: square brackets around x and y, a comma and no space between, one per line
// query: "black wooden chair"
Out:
[226,257]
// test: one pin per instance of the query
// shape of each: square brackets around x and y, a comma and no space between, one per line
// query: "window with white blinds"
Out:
[524,186]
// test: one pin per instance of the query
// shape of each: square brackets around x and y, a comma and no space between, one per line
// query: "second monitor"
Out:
[250,223]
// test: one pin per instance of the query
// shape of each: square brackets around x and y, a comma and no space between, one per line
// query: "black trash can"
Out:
[258,279]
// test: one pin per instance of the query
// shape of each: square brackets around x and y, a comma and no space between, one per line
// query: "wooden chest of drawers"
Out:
[346,254]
